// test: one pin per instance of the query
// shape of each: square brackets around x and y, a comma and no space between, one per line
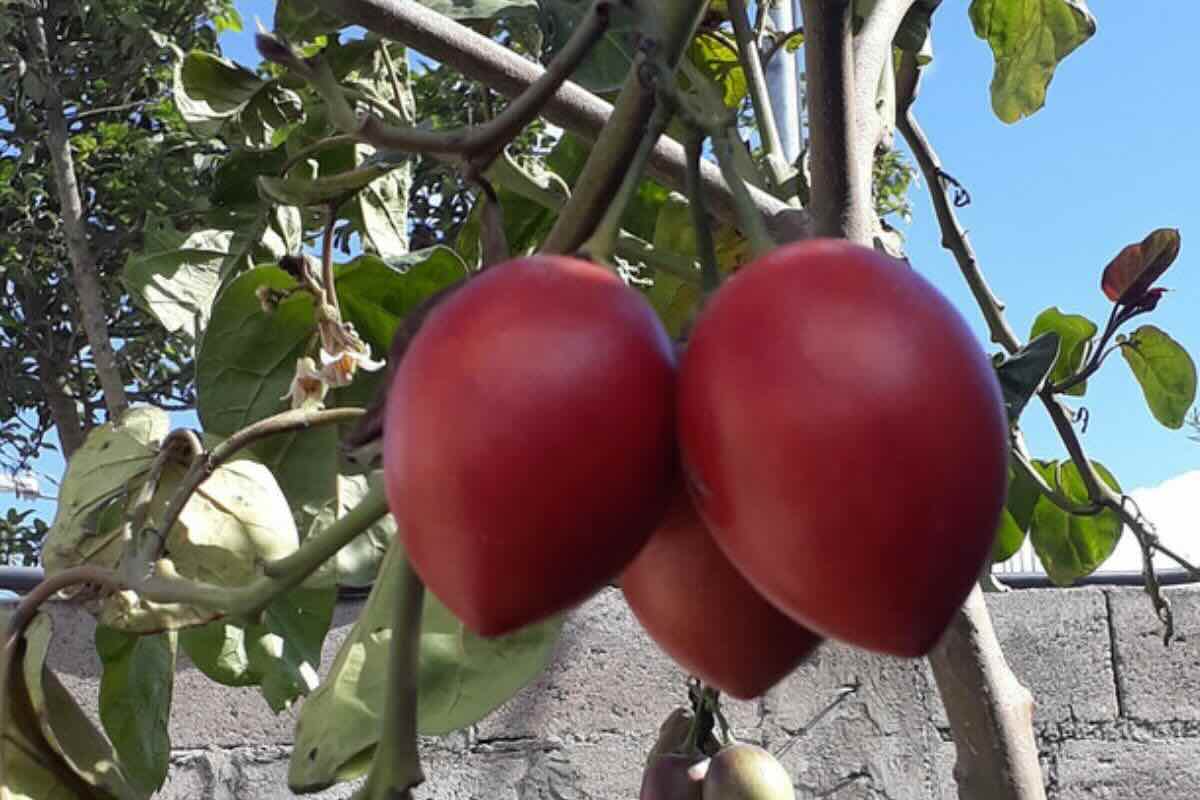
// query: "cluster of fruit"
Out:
[826,458]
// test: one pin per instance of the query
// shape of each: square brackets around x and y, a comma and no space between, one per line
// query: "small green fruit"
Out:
[747,772]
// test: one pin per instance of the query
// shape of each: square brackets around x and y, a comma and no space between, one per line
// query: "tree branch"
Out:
[840,161]
[91,296]
[954,238]
[752,66]
[872,46]
[990,712]
[572,107]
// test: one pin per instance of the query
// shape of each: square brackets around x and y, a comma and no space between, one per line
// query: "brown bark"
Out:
[87,283]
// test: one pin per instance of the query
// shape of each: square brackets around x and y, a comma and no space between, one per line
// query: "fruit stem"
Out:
[710,275]
[666,33]
[601,245]
[396,765]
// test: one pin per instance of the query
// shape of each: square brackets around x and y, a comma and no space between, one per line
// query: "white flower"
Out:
[338,368]
[308,385]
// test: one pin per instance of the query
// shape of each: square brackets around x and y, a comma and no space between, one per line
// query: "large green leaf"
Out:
[1022,497]
[1028,39]
[282,654]
[63,728]
[36,769]
[1075,335]
[461,679]
[1165,372]
[136,683]
[1072,546]
[248,356]
[115,456]
[212,92]
[176,276]
[246,363]
[237,519]
[288,653]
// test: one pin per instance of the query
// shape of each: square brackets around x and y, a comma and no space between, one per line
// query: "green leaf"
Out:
[209,90]
[245,365]
[357,563]
[1023,494]
[282,655]
[303,20]
[607,65]
[1028,39]
[720,63]
[237,519]
[915,26]
[461,679]
[383,213]
[1072,546]
[64,727]
[114,456]
[297,190]
[36,771]
[176,276]
[136,684]
[1022,373]
[287,654]
[218,649]
[1165,372]
[479,10]
[1075,333]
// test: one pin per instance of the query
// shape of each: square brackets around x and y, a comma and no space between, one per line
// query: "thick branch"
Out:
[840,162]
[871,48]
[990,712]
[571,107]
[91,295]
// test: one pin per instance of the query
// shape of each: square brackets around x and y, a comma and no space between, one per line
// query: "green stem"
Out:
[752,66]
[750,221]
[669,28]
[710,274]
[396,765]
[279,576]
[600,246]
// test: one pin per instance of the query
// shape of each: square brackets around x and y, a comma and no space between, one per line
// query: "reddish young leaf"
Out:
[1128,276]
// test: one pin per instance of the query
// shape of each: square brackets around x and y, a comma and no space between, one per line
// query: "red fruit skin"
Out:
[705,615]
[529,445]
[844,437]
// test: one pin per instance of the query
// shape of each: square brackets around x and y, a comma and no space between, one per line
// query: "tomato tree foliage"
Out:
[269,229]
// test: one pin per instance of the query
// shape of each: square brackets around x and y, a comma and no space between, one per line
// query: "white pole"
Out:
[781,80]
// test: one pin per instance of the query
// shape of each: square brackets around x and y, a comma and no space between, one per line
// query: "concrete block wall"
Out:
[1118,715]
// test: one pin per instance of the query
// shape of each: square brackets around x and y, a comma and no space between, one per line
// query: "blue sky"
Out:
[1055,196]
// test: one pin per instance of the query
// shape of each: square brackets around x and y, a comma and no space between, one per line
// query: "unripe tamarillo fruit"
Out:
[746,772]
[844,437]
[529,439]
